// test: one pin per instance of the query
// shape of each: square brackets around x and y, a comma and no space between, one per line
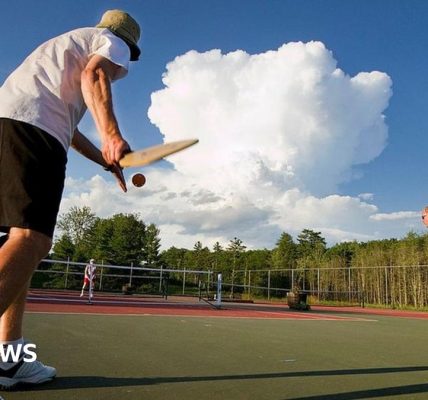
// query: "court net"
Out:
[162,283]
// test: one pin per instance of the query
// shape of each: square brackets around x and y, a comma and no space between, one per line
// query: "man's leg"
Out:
[91,289]
[11,320]
[83,289]
[19,256]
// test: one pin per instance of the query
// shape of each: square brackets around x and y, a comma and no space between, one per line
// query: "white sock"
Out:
[14,344]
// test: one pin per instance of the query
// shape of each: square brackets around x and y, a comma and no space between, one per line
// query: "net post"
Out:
[218,294]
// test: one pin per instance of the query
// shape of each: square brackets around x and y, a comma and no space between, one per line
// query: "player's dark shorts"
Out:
[32,173]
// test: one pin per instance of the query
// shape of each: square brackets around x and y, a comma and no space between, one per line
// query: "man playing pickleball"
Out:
[89,278]
[41,104]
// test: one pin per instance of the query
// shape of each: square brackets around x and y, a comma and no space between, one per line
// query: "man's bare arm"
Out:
[85,147]
[96,90]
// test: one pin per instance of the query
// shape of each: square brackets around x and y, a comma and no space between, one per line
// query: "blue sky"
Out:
[363,36]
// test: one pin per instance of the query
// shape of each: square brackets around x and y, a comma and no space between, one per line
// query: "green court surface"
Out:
[172,357]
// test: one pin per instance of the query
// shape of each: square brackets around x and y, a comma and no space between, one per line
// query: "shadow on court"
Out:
[86,382]
[370,394]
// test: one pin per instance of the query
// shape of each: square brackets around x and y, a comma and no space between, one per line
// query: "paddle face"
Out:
[151,154]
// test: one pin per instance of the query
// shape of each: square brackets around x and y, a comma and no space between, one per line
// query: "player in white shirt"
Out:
[41,104]
[89,278]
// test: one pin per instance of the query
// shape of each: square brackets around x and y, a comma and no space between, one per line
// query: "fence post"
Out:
[269,285]
[386,285]
[184,280]
[318,284]
[249,285]
[130,274]
[292,280]
[101,276]
[66,273]
[160,278]
[304,279]
[349,285]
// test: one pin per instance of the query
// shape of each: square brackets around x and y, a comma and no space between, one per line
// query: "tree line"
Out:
[390,271]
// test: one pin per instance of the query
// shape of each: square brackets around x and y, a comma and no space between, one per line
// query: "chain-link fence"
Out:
[393,286]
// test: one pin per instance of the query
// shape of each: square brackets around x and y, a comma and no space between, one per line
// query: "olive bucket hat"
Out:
[124,26]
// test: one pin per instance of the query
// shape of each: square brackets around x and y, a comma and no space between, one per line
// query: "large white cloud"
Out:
[289,117]
[279,132]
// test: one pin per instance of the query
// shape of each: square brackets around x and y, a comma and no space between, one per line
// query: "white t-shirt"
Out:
[90,271]
[45,90]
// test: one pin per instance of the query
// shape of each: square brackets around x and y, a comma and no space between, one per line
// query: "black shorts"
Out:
[32,173]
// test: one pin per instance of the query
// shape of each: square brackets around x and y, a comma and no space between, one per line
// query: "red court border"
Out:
[69,302]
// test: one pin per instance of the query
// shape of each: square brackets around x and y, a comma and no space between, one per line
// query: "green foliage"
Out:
[342,254]
[310,243]
[236,249]
[173,258]
[64,248]
[310,249]
[217,247]
[124,239]
[284,255]
[258,259]
[236,246]
[220,259]
[200,258]
[77,223]
[152,245]
[126,243]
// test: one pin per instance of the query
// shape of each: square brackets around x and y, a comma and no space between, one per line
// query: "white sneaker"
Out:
[27,373]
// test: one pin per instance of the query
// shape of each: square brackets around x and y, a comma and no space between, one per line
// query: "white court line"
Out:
[200,316]
[282,315]
[44,300]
